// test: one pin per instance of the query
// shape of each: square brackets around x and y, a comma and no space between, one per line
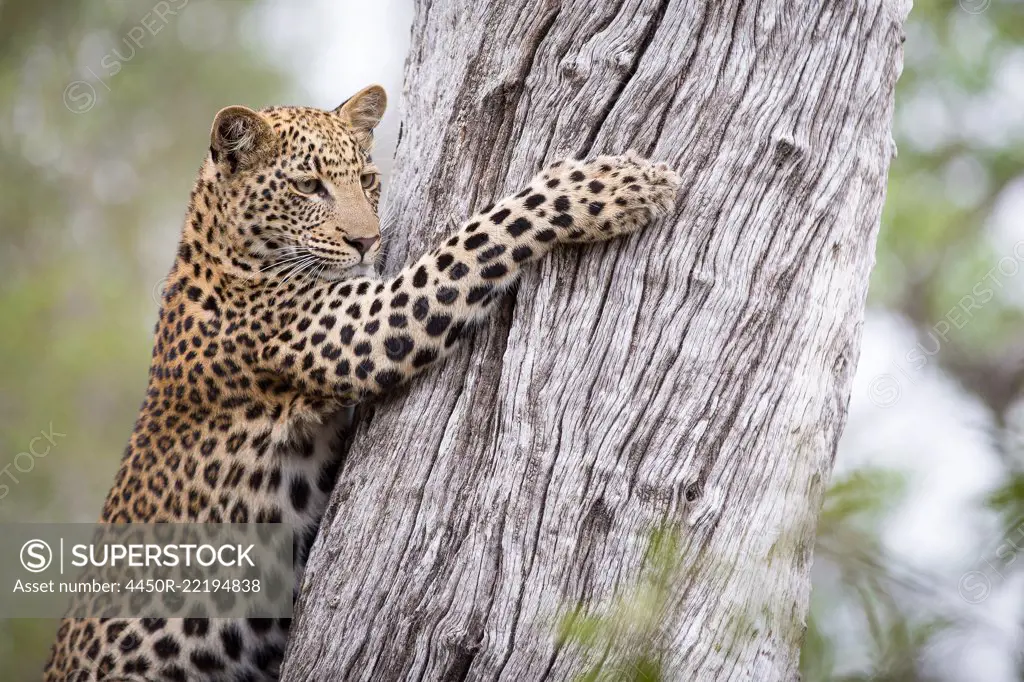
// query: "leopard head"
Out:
[296,188]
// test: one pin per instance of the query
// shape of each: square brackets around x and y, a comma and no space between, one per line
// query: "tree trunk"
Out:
[694,377]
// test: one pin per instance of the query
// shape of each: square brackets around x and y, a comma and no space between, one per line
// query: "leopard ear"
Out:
[240,138]
[364,109]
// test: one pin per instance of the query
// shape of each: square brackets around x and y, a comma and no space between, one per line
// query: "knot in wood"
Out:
[786,151]
[572,72]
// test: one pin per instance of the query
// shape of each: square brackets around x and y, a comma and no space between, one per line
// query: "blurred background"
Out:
[105,118]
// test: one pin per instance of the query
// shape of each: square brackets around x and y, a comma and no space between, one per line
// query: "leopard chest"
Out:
[309,466]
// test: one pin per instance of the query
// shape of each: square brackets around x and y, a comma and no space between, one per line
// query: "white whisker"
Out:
[276,265]
[294,270]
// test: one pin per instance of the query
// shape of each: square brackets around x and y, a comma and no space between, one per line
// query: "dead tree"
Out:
[696,374]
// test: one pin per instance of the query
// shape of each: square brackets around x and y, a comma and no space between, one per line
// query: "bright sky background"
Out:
[349,45]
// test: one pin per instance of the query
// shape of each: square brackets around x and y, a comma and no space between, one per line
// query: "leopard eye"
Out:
[367,180]
[309,186]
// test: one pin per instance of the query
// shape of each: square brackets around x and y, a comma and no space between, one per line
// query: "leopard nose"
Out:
[362,245]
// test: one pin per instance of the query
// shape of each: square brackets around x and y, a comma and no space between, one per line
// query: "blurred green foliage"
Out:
[852,516]
[94,193]
[944,233]
[960,136]
[622,643]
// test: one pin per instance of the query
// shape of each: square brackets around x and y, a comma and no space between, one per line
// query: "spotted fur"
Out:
[273,324]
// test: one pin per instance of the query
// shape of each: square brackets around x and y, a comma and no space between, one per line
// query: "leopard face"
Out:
[298,187]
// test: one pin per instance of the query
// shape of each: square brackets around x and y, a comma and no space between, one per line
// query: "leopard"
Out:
[274,324]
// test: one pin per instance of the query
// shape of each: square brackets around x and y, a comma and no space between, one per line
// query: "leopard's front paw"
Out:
[609,196]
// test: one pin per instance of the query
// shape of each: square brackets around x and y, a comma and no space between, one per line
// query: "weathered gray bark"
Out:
[696,373]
